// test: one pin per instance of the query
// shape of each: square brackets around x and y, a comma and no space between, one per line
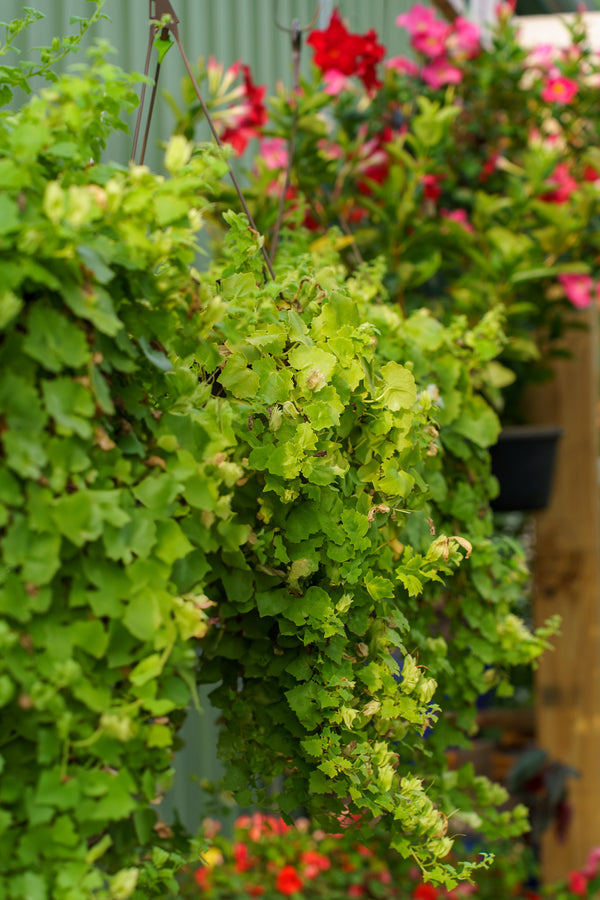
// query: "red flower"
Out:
[201,878]
[489,166]
[355,890]
[565,185]
[431,187]
[255,890]
[314,863]
[578,883]
[241,855]
[288,881]
[425,892]
[351,54]
[252,116]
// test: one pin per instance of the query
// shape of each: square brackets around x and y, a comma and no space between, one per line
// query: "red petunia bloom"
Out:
[288,881]
[565,185]
[431,187]
[425,892]
[314,863]
[578,883]
[252,115]
[201,878]
[336,49]
[242,858]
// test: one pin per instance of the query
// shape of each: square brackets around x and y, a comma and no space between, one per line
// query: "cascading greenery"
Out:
[293,457]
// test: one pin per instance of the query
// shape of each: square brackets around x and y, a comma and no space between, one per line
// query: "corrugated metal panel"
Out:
[227,29]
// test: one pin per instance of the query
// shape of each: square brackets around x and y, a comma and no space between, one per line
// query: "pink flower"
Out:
[464,40]
[559,90]
[439,72]
[418,18]
[505,10]
[335,82]
[565,185]
[578,290]
[274,152]
[459,216]
[590,870]
[401,64]
[542,56]
[431,41]
[578,883]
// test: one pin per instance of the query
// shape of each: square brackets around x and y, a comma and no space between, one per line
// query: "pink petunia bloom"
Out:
[439,72]
[431,40]
[578,883]
[559,90]
[464,41]
[565,185]
[505,10]
[402,64]
[459,216]
[274,152]
[335,82]
[578,289]
[541,56]
[590,870]
[418,18]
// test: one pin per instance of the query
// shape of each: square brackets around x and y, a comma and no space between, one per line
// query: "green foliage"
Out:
[110,495]
[20,75]
[367,482]
[298,454]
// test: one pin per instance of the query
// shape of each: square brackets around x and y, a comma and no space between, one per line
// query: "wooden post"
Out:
[567,582]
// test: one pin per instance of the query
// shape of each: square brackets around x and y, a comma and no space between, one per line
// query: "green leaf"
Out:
[55,341]
[400,390]
[238,378]
[147,669]
[156,357]
[9,214]
[70,404]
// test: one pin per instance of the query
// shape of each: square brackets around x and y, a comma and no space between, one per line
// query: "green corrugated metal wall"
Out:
[227,29]
[230,30]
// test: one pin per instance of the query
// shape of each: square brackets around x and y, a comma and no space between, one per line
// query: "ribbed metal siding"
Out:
[227,29]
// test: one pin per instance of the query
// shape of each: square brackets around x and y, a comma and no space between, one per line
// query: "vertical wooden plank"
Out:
[567,577]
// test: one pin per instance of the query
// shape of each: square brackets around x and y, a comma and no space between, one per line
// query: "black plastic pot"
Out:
[523,462]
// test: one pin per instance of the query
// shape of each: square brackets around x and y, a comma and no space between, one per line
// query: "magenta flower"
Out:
[590,870]
[565,185]
[401,64]
[559,90]
[439,72]
[578,289]
[578,883]
[335,82]
[464,39]
[459,216]
[418,18]
[431,40]
[274,152]
[542,56]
